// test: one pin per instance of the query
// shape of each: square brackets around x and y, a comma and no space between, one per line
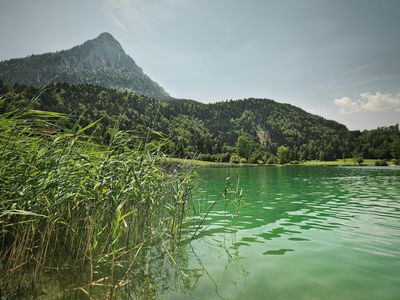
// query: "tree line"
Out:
[249,130]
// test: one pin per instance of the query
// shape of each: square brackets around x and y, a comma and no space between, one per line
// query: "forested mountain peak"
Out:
[101,61]
[106,37]
[102,52]
[105,41]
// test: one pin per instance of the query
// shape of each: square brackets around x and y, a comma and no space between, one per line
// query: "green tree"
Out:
[246,123]
[282,154]
[395,148]
[235,159]
[358,159]
[272,160]
[244,146]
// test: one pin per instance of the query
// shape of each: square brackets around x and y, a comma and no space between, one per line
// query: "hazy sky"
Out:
[336,58]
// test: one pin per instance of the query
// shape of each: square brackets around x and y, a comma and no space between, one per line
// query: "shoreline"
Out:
[208,164]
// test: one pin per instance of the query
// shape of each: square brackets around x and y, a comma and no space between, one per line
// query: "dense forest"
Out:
[252,130]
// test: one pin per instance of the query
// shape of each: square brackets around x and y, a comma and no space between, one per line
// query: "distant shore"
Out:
[203,164]
[208,164]
[339,162]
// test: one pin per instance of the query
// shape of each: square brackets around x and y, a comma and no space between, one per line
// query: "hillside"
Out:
[207,131]
[101,61]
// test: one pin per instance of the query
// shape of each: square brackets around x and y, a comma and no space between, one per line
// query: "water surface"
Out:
[304,233]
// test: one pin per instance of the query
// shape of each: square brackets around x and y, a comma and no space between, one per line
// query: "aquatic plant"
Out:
[68,204]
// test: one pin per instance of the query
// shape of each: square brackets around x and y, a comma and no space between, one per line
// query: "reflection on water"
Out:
[277,252]
[305,232]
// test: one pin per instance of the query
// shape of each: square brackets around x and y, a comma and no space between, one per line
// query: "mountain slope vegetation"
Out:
[206,131]
[101,61]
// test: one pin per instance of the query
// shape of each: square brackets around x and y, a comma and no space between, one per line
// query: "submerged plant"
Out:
[232,198]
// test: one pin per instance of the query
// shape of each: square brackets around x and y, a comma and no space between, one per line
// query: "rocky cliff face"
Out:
[101,61]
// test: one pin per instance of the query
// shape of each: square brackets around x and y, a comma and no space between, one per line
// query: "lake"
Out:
[301,233]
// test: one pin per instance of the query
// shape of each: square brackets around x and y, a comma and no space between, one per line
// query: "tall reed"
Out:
[67,204]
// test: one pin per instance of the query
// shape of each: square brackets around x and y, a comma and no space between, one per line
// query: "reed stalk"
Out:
[66,205]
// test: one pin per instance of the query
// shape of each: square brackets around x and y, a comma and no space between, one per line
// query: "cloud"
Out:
[369,102]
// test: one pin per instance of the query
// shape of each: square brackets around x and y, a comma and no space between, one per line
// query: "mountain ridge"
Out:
[101,61]
[206,131]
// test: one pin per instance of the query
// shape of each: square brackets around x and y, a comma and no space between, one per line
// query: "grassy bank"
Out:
[339,162]
[65,207]
[202,164]
[207,164]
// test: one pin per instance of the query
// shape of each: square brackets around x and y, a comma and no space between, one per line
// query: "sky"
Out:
[339,59]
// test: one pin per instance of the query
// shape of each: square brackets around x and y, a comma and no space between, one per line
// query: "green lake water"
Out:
[301,232]
[304,233]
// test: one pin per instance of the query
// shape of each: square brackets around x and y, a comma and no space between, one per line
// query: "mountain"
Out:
[101,61]
[206,131]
